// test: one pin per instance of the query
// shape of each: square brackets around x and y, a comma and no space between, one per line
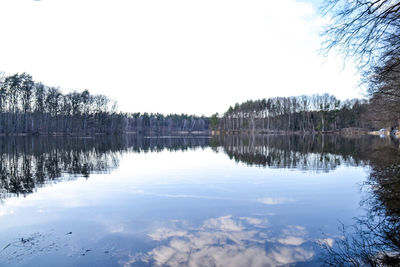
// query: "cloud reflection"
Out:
[275,200]
[225,241]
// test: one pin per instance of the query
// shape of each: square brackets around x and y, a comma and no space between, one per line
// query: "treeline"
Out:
[29,107]
[316,113]
[34,108]
[144,123]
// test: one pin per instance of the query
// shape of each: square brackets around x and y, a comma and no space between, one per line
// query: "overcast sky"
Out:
[173,56]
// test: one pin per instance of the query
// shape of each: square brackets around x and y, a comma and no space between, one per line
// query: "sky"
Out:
[174,56]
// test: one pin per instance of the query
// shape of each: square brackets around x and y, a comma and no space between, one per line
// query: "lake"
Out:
[187,201]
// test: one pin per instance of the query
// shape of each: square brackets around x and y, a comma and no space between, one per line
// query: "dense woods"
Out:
[34,108]
[144,123]
[316,113]
[28,107]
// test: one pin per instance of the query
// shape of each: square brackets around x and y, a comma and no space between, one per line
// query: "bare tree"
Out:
[367,30]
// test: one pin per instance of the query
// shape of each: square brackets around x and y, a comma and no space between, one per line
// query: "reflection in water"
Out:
[309,152]
[375,238]
[30,162]
[221,238]
[226,241]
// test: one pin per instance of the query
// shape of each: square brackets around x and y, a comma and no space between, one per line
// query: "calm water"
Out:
[137,201]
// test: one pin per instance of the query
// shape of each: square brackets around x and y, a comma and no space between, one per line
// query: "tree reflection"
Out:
[375,238]
[309,152]
[30,162]
[27,163]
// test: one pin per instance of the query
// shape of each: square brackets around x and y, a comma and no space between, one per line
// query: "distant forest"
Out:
[316,113]
[31,108]
[28,107]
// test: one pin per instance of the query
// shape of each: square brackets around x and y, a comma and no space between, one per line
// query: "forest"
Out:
[31,108]
[316,113]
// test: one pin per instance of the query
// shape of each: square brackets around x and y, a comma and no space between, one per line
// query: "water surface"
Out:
[175,201]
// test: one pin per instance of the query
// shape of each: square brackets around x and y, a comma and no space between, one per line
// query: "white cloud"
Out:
[172,56]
